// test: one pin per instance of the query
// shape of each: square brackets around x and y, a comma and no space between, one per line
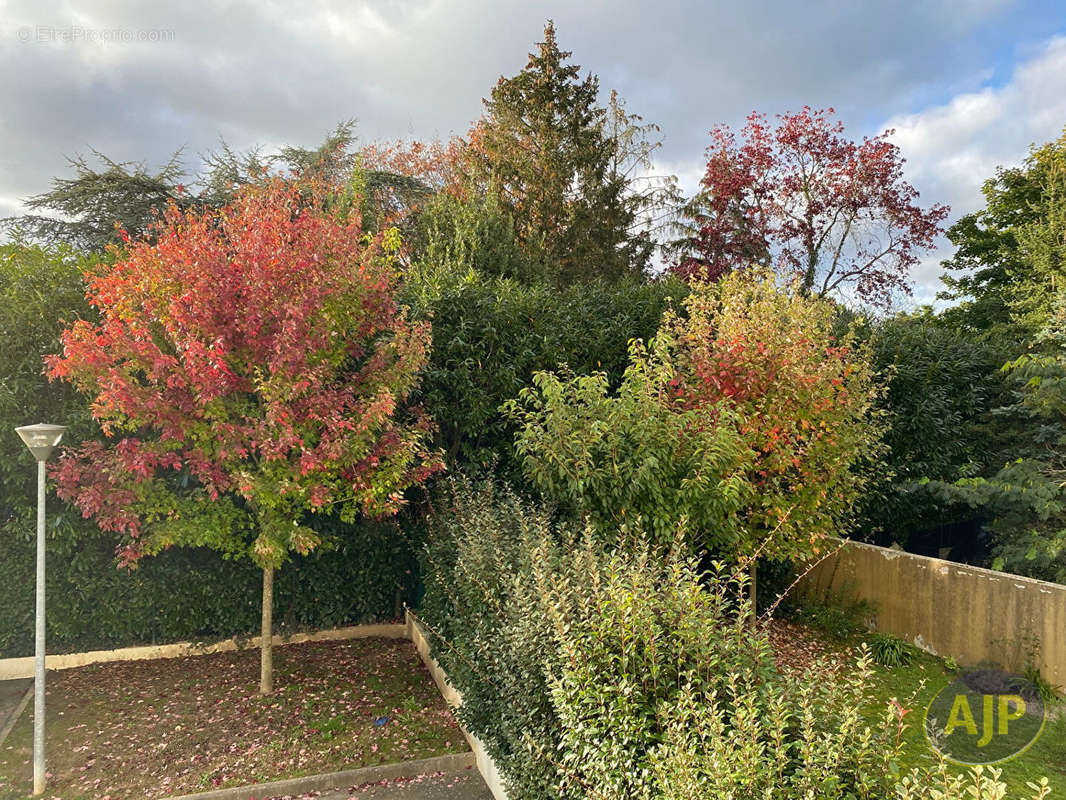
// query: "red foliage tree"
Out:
[249,368]
[830,213]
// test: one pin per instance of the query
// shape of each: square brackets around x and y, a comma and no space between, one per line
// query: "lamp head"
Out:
[41,438]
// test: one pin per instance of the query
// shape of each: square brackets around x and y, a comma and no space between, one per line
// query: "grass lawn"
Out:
[183,725]
[1047,756]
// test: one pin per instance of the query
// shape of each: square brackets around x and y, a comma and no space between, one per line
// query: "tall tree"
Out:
[832,214]
[551,156]
[249,369]
[1002,272]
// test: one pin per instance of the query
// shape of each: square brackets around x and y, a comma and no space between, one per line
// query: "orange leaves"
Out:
[803,399]
[257,350]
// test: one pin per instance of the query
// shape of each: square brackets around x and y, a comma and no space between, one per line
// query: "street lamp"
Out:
[41,439]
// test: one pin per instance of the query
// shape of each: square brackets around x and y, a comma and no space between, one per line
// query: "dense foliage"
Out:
[180,594]
[593,673]
[41,289]
[941,385]
[490,337]
[1015,251]
[193,594]
[743,421]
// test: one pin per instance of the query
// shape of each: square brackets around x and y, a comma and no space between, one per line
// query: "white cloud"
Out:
[953,148]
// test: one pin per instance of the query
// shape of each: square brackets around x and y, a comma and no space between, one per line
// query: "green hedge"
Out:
[186,594]
[491,335]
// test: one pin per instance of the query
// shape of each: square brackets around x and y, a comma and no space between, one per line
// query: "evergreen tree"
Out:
[561,166]
[111,201]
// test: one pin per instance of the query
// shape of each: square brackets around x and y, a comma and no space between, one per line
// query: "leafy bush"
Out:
[631,459]
[490,336]
[193,594]
[592,673]
[979,783]
[743,418]
[940,385]
[41,290]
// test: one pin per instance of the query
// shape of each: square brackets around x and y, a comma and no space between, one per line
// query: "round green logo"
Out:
[985,716]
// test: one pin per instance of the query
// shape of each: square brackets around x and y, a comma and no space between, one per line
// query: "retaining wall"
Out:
[972,614]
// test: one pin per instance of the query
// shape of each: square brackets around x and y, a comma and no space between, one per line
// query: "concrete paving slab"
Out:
[12,701]
[466,785]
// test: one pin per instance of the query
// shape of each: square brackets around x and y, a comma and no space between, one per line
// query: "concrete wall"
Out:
[973,615]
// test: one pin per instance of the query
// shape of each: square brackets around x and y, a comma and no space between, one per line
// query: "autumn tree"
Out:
[833,214]
[562,167]
[250,369]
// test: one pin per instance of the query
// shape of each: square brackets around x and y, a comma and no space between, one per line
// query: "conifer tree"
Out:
[551,156]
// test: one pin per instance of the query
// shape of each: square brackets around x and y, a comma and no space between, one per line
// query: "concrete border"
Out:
[455,762]
[14,716]
[23,667]
[485,765]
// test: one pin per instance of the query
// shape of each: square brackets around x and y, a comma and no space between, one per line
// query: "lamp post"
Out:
[41,439]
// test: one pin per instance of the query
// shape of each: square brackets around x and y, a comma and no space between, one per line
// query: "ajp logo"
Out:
[985,716]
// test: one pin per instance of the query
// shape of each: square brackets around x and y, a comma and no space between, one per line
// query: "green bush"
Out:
[745,421]
[940,385]
[490,336]
[192,594]
[592,673]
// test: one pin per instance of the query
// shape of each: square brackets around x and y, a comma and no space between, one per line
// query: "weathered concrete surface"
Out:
[973,615]
[467,786]
[11,668]
[14,697]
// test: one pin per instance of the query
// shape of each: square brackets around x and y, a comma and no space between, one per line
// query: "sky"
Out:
[967,85]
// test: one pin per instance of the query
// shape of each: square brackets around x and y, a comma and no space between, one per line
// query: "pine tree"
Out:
[550,155]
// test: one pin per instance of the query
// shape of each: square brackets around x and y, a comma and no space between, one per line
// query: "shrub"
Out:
[490,336]
[627,673]
[940,385]
[941,783]
[743,417]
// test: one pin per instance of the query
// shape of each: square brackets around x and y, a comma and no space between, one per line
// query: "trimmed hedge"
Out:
[491,335]
[193,594]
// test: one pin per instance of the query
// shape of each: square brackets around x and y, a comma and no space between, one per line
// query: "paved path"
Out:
[11,694]
[466,785]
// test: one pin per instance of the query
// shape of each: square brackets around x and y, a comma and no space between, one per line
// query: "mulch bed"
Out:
[184,725]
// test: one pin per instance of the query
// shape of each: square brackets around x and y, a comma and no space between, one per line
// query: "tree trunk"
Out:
[266,646]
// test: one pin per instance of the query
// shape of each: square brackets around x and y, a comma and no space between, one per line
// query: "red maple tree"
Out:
[251,366]
[827,212]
